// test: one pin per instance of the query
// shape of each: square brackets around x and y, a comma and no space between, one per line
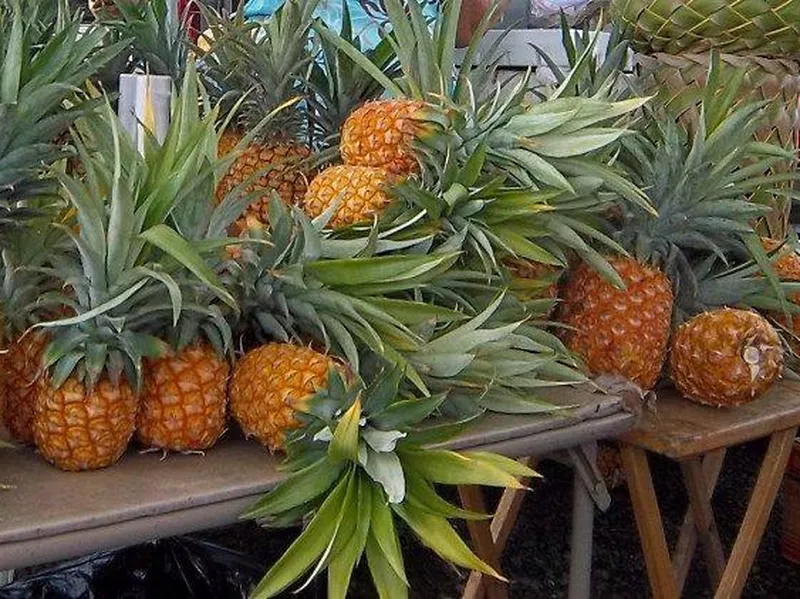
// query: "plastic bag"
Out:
[179,568]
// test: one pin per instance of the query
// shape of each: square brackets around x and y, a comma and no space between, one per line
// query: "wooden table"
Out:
[697,437]
[51,515]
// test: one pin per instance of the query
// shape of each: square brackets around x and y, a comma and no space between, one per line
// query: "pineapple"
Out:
[532,280]
[20,367]
[263,65]
[694,181]
[361,193]
[787,267]
[122,283]
[270,384]
[184,399]
[492,173]
[381,134]
[619,331]
[725,357]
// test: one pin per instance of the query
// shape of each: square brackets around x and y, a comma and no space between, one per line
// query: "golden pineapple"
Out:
[619,331]
[184,400]
[360,191]
[283,175]
[80,429]
[381,134]
[787,267]
[270,383]
[263,65]
[20,368]
[725,357]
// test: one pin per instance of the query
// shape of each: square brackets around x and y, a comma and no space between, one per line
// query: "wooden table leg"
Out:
[687,539]
[500,527]
[648,522]
[481,533]
[704,523]
[757,515]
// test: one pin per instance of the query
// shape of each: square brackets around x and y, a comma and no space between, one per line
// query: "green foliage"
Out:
[370,472]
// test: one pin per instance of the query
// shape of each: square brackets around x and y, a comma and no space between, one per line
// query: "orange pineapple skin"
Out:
[106,9]
[285,177]
[360,190]
[80,429]
[623,332]
[270,383]
[20,368]
[184,400]
[380,134]
[707,362]
[787,267]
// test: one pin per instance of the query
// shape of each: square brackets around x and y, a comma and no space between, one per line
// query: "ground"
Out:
[536,560]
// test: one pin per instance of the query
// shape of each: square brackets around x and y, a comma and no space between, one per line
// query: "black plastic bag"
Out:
[173,568]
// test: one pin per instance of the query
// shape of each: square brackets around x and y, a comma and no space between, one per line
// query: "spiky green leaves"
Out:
[43,63]
[131,274]
[700,182]
[369,472]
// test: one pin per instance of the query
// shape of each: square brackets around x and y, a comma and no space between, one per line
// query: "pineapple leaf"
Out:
[313,542]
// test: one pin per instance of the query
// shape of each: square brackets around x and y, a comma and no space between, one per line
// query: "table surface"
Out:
[48,515]
[679,428]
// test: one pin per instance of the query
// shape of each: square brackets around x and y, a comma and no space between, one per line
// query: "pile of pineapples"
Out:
[337,248]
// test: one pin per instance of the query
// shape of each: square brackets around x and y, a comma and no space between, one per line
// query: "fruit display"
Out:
[349,256]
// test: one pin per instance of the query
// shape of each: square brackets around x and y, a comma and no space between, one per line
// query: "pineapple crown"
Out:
[262,64]
[43,64]
[359,464]
[699,182]
[717,284]
[26,281]
[130,271]
[426,55]
[159,41]
[338,84]
[292,282]
[596,77]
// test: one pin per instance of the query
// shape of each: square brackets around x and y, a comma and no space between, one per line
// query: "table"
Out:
[697,437]
[570,436]
[52,515]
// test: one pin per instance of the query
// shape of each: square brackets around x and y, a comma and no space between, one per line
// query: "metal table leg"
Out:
[580,567]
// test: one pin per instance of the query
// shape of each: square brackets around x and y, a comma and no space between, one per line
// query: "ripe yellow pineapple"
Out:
[76,428]
[283,176]
[787,267]
[725,357]
[264,66]
[381,133]
[20,368]
[360,191]
[270,383]
[619,331]
[184,400]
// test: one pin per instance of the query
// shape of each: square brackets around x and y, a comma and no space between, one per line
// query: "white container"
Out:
[144,104]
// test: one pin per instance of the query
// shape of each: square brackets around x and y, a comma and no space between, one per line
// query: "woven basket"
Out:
[678,82]
[761,27]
